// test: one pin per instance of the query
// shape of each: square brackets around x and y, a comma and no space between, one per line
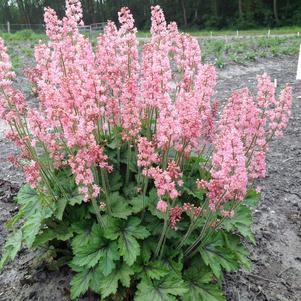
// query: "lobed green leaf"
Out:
[165,289]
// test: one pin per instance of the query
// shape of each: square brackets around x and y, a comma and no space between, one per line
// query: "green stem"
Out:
[127,175]
[163,245]
[145,189]
[145,186]
[118,157]
[162,235]
[202,241]
[97,211]
[189,231]
[105,188]
[200,237]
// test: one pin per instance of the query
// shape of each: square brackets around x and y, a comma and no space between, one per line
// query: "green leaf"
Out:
[165,289]
[46,236]
[92,234]
[114,228]
[125,272]
[174,266]
[83,225]
[61,232]
[109,284]
[130,190]
[216,254]
[87,255]
[115,181]
[203,292]
[148,247]
[86,233]
[83,230]
[112,144]
[252,198]
[31,228]
[96,279]
[60,208]
[242,222]
[80,283]
[234,244]
[31,203]
[12,221]
[76,200]
[154,225]
[96,250]
[119,206]
[34,221]
[200,288]
[28,197]
[127,233]
[155,270]
[129,248]
[134,228]
[139,204]
[129,157]
[108,257]
[77,214]
[103,252]
[154,211]
[153,200]
[11,248]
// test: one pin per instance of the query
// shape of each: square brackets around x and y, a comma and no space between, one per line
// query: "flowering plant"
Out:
[134,178]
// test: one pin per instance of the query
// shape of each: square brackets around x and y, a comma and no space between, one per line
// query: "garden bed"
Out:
[276,257]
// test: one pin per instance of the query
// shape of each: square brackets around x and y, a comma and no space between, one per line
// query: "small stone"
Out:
[281,298]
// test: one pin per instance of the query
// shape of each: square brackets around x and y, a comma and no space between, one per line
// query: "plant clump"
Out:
[136,180]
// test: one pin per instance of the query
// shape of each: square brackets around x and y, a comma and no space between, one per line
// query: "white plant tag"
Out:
[299,65]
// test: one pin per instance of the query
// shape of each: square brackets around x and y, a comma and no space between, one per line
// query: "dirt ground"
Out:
[276,257]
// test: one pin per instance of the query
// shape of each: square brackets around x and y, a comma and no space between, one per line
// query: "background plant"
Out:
[134,178]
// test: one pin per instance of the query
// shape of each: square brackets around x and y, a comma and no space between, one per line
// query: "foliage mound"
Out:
[135,181]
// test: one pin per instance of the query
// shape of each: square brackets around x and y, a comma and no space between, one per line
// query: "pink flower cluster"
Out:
[257,121]
[12,102]
[83,162]
[162,206]
[161,106]
[177,211]
[32,173]
[280,115]
[182,101]
[166,181]
[146,153]
[229,174]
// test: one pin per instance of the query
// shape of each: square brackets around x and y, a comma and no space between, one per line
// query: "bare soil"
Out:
[276,257]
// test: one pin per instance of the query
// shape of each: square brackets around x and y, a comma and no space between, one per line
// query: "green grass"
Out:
[233,32]
[27,51]
[143,34]
[23,35]
[247,50]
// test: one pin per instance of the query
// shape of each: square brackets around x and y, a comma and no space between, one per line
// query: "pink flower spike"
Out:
[162,206]
[146,153]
